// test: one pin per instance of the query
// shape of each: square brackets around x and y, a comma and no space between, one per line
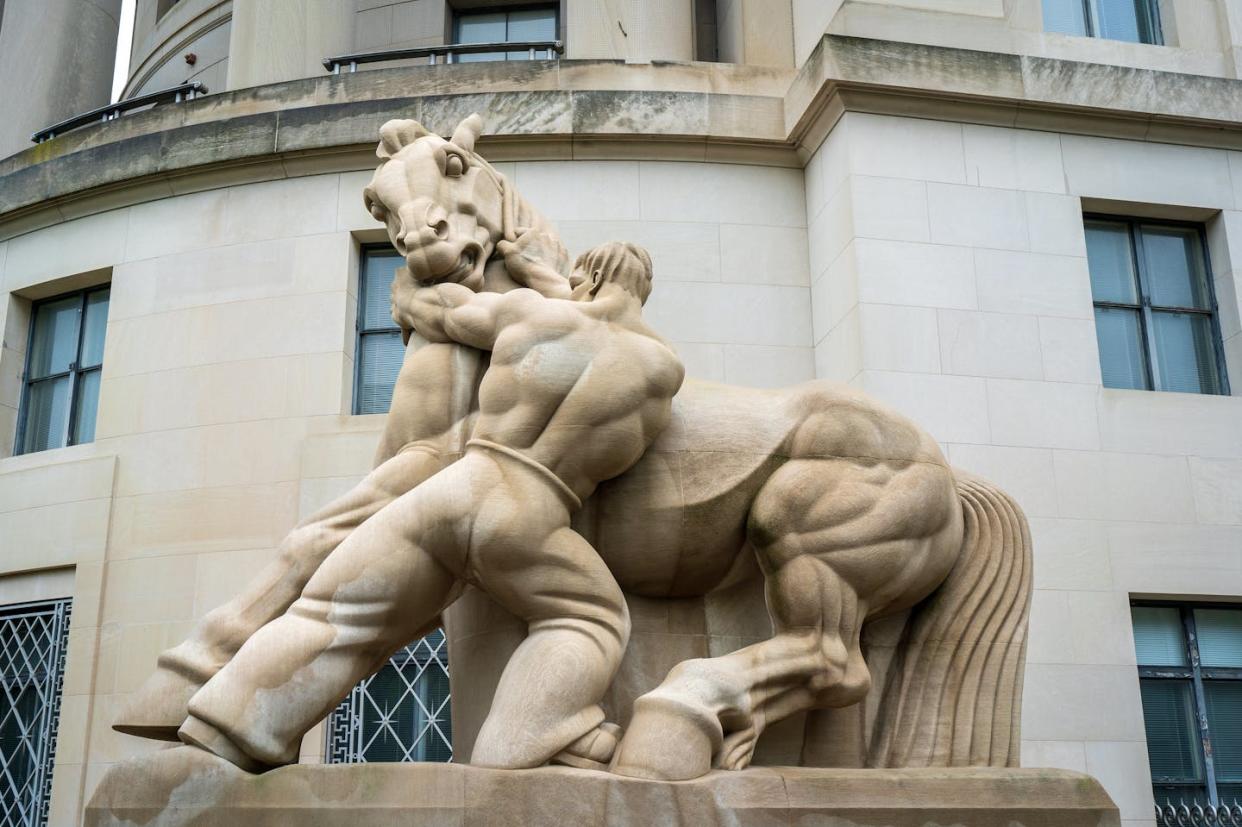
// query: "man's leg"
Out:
[548,697]
[372,595]
[159,706]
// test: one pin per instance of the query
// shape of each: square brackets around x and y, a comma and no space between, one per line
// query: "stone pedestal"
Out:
[183,787]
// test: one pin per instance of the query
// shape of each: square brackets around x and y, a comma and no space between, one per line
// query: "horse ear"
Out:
[397,134]
[467,132]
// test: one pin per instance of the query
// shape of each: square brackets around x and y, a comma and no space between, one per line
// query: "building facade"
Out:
[1018,223]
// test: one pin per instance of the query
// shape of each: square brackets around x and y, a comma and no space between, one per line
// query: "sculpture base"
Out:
[183,786]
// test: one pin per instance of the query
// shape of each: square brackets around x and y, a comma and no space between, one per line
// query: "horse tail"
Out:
[954,694]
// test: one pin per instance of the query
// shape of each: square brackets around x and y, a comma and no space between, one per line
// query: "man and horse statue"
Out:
[844,511]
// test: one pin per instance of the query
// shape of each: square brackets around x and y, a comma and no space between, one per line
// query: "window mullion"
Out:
[74,367]
[1205,735]
[1091,17]
[1149,344]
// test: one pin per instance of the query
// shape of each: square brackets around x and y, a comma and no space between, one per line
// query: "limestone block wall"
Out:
[949,278]
[228,375]
[1199,37]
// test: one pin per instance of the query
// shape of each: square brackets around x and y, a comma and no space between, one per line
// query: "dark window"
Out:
[162,7]
[379,351]
[63,366]
[1155,317]
[511,26]
[1137,21]
[1190,675]
[33,638]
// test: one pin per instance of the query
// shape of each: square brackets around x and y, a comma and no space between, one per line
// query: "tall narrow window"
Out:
[379,351]
[63,366]
[518,26]
[1136,21]
[33,639]
[1190,675]
[1155,315]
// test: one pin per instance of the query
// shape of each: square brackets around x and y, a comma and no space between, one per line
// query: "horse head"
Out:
[444,206]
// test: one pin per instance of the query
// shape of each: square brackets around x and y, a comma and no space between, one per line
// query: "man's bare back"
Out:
[562,369]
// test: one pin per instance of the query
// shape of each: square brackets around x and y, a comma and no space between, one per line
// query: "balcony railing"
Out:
[535,49]
[186,91]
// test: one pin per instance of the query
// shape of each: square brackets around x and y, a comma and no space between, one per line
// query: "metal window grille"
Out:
[33,640]
[401,713]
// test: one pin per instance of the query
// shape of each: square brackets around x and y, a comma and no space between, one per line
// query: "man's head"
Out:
[616,262]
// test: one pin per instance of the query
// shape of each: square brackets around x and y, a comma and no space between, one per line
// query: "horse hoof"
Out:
[667,742]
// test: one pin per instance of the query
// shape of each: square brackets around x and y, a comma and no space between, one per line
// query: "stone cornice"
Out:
[599,109]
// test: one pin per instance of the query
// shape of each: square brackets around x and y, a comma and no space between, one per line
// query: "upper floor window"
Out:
[1137,21]
[1190,677]
[518,26]
[163,7]
[1154,310]
[63,365]
[379,350]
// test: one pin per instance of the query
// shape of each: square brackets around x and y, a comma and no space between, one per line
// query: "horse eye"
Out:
[454,166]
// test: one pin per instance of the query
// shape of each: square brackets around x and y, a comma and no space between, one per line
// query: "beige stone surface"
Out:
[734,471]
[185,787]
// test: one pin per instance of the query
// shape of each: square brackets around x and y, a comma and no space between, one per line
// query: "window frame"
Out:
[1146,308]
[1196,673]
[457,14]
[75,372]
[1091,23]
[360,328]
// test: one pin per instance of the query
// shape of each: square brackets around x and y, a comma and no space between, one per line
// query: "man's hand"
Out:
[403,290]
[537,260]
[418,308]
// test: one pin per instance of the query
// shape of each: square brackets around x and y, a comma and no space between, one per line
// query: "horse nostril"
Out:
[441,229]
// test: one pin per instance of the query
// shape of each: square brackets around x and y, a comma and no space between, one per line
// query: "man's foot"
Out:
[199,733]
[158,708]
[592,751]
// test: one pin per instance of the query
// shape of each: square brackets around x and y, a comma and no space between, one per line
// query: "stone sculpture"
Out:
[851,511]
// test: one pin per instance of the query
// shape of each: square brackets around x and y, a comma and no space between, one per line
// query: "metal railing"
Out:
[186,91]
[549,48]
[1198,815]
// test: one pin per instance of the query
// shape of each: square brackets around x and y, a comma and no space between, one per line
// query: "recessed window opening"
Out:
[1136,21]
[1155,313]
[1190,676]
[524,25]
[379,350]
[64,361]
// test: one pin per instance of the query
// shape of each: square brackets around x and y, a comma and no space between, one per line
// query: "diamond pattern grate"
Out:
[401,713]
[33,640]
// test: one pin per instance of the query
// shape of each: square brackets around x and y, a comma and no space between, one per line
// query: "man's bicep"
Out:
[475,322]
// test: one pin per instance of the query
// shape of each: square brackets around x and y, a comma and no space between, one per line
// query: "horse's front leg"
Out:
[711,711]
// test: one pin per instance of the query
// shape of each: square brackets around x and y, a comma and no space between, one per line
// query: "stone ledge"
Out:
[183,787]
[570,109]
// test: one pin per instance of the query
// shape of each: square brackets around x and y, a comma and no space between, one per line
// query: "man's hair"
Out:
[619,262]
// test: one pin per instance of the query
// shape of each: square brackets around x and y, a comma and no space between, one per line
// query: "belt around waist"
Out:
[574,502]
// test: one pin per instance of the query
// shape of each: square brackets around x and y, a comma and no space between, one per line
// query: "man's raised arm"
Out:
[453,313]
